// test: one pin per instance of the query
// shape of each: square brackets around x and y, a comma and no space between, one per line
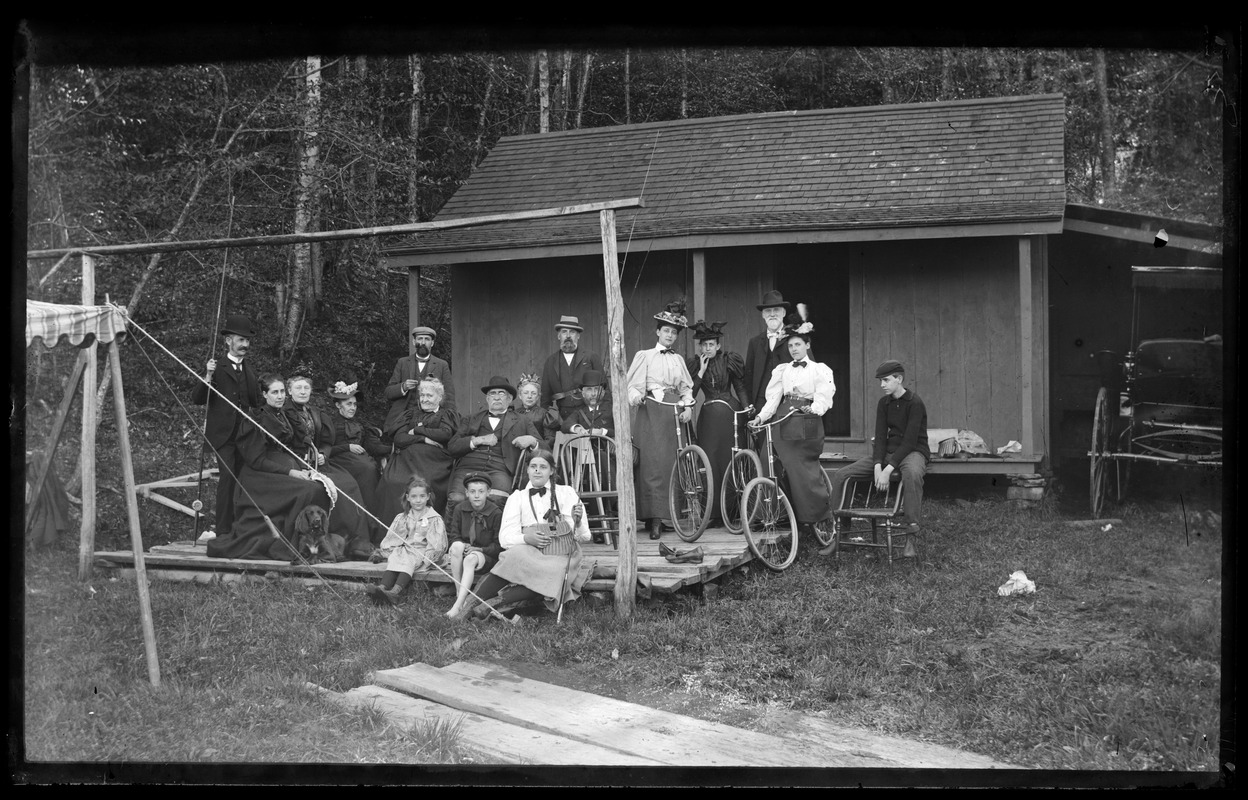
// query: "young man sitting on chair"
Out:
[900,445]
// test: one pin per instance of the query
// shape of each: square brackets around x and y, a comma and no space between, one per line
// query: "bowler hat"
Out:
[238,325]
[593,377]
[421,329]
[772,299]
[889,367]
[499,382]
[568,321]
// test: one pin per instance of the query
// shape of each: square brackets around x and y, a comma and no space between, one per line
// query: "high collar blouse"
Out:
[813,381]
[653,369]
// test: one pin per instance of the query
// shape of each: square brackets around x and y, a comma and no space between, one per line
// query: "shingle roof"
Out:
[978,162]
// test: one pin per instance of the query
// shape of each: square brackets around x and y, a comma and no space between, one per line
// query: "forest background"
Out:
[139,140]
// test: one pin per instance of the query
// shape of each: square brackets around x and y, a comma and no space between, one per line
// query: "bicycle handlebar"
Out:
[757,425]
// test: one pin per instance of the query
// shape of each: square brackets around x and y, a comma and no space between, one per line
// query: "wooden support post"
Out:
[699,286]
[132,514]
[413,306]
[626,573]
[86,539]
[58,426]
[1026,315]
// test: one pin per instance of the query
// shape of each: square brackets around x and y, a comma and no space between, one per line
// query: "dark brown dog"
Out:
[313,542]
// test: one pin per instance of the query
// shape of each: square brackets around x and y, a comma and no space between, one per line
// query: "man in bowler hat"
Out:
[236,381]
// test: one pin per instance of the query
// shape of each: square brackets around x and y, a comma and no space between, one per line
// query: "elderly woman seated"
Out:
[351,446]
[544,419]
[273,486]
[420,435]
[540,532]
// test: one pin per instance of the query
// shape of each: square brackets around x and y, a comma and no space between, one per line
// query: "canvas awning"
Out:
[81,325]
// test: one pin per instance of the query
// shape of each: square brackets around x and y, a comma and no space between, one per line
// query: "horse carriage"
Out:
[1161,402]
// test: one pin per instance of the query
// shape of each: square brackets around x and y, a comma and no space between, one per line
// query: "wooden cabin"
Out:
[917,232]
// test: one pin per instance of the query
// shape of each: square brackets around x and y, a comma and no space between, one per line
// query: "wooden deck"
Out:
[187,561]
[507,718]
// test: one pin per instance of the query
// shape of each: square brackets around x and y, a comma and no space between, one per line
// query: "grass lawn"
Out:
[1113,664]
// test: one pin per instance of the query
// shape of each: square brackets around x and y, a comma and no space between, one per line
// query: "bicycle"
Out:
[767,517]
[743,467]
[692,484]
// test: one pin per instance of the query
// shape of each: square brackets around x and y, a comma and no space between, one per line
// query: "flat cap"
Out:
[889,367]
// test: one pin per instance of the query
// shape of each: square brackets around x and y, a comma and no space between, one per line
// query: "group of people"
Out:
[478,493]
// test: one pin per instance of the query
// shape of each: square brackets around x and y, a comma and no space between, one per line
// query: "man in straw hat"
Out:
[565,369]
[900,445]
[765,351]
[490,442]
[659,373]
[409,371]
[238,384]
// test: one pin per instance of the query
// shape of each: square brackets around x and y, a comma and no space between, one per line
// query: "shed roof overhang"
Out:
[1142,228]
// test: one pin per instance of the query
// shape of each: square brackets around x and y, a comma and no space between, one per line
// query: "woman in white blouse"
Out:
[541,530]
[659,374]
[805,385]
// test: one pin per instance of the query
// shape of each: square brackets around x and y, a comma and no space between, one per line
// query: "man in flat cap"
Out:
[411,370]
[900,445]
[564,371]
[238,384]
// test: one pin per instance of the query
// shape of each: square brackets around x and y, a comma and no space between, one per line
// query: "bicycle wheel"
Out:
[690,491]
[743,468]
[769,524]
[826,532]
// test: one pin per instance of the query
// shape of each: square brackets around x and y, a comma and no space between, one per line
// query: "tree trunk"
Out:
[684,83]
[417,70]
[478,149]
[1101,80]
[302,274]
[530,81]
[946,74]
[628,87]
[543,91]
[565,90]
[584,87]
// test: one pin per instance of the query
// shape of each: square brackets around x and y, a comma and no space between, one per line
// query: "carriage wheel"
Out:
[743,468]
[690,491]
[769,523]
[1099,455]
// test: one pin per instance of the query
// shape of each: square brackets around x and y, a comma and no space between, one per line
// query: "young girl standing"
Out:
[416,540]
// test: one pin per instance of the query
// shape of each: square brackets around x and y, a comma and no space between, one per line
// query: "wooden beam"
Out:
[164,501]
[1026,363]
[132,514]
[413,306]
[324,236]
[58,426]
[86,538]
[626,576]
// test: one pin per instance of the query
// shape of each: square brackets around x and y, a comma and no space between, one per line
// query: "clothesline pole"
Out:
[626,573]
[86,542]
[132,513]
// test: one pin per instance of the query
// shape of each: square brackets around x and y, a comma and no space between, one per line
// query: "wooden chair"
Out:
[867,517]
[587,463]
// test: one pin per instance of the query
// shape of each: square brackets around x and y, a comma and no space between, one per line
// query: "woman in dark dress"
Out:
[718,375]
[420,434]
[272,484]
[353,447]
[547,422]
[309,423]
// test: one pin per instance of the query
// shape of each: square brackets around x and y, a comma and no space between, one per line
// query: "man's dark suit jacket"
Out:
[559,378]
[509,427]
[404,370]
[759,364]
[241,386]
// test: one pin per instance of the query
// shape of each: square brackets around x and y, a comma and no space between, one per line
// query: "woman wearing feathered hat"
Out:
[718,375]
[659,373]
[807,386]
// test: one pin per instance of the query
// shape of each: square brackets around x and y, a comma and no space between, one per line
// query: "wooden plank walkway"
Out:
[509,719]
[187,561]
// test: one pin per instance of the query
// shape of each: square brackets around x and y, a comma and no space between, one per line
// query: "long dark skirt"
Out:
[654,434]
[281,497]
[798,442]
[715,437]
[428,461]
[362,469]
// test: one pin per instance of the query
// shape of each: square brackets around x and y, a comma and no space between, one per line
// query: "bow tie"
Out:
[666,351]
[775,335]
[541,491]
[799,363]
[496,416]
